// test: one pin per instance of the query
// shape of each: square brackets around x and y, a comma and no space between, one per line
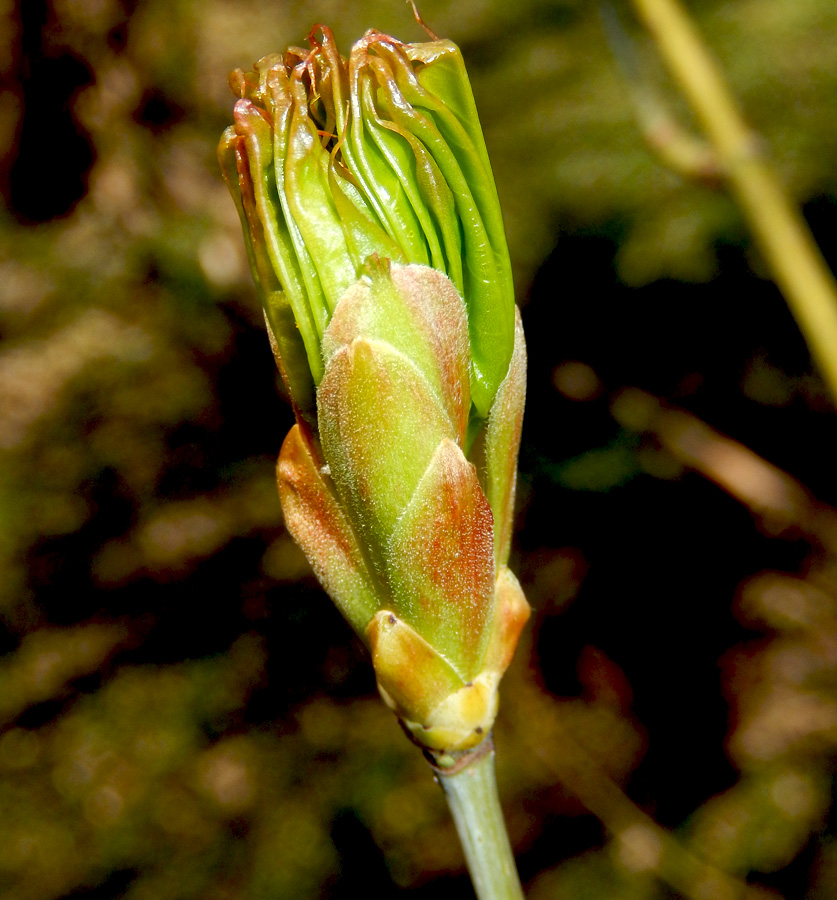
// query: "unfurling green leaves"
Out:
[333,160]
[375,237]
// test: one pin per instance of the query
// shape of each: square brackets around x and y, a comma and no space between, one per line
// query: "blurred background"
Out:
[182,713]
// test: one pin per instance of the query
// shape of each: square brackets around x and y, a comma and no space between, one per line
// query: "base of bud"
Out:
[460,722]
[452,762]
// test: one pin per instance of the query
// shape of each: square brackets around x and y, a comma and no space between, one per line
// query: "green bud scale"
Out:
[375,238]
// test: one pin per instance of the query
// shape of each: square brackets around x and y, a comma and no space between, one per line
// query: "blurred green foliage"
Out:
[182,713]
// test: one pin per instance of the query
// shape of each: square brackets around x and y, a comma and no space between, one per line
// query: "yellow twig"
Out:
[780,231]
[690,155]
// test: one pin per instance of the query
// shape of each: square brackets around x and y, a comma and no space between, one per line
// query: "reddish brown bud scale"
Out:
[441,561]
[317,523]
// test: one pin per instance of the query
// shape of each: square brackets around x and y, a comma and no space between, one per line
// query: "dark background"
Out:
[183,713]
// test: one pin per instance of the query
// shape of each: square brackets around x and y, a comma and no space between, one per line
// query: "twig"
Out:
[687,154]
[780,231]
[475,806]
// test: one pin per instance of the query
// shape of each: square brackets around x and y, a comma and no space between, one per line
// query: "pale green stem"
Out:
[475,805]
[785,241]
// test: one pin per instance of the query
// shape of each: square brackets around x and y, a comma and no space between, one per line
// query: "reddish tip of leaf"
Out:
[243,113]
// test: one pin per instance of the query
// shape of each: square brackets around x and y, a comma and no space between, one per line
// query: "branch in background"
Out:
[641,846]
[678,149]
[781,233]
[776,499]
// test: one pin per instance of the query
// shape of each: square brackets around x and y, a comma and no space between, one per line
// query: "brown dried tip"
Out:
[433,36]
